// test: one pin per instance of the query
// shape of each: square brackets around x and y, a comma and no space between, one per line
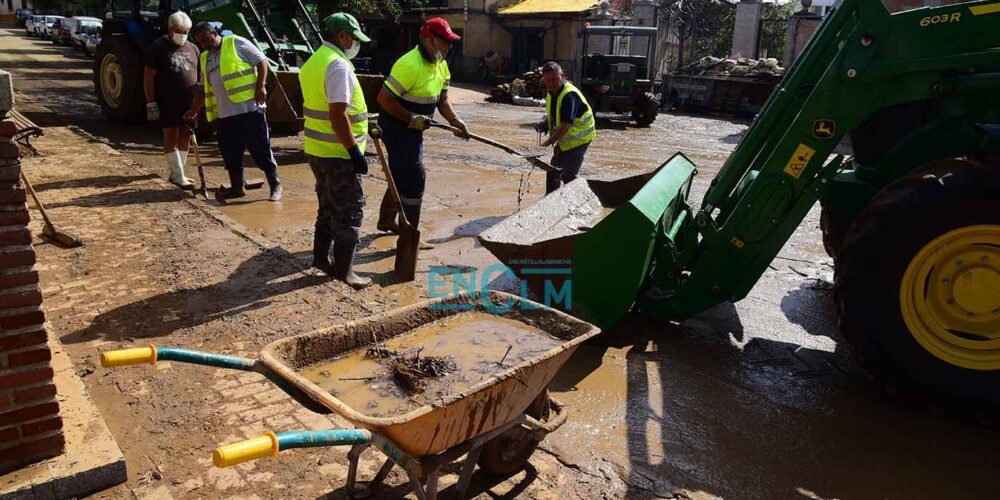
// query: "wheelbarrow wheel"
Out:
[508,452]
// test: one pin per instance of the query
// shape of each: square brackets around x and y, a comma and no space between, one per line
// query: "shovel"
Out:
[532,158]
[408,244]
[50,231]
[203,189]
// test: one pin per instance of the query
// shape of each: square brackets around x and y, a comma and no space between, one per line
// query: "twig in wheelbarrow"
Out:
[410,371]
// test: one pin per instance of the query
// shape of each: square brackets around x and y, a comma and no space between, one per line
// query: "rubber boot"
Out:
[552,182]
[343,261]
[274,184]
[412,212]
[321,254]
[177,178]
[236,189]
[387,214]
[184,162]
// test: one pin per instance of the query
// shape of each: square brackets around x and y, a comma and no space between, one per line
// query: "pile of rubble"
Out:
[529,84]
[742,67]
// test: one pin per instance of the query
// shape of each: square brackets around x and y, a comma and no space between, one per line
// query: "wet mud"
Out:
[479,344]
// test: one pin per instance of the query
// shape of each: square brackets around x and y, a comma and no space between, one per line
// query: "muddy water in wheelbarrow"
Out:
[452,418]
[476,345]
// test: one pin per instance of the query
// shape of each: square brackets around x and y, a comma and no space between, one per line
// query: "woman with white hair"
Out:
[170,80]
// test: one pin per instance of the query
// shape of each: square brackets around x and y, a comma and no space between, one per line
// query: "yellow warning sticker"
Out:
[738,243]
[800,158]
[990,8]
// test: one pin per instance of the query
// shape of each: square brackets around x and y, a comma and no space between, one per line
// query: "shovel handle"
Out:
[531,159]
[376,134]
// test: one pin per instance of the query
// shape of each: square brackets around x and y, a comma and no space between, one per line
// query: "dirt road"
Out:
[756,400]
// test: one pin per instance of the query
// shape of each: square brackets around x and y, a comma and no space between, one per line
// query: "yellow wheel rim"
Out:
[950,297]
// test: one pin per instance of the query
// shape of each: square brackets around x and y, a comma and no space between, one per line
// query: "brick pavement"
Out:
[159,268]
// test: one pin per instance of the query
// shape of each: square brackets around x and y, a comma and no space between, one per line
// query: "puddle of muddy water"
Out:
[477,342]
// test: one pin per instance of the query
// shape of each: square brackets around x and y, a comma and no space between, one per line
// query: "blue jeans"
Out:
[570,162]
[247,131]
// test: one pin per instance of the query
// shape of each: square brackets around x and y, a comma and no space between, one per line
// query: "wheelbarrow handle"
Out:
[270,444]
[152,354]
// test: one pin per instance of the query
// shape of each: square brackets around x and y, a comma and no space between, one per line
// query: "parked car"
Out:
[46,29]
[37,23]
[29,25]
[75,29]
[60,31]
[91,39]
[21,16]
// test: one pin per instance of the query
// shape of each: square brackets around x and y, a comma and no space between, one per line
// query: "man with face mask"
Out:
[416,86]
[234,72]
[170,79]
[335,131]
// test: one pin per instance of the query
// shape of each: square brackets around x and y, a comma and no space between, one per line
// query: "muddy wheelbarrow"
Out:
[496,422]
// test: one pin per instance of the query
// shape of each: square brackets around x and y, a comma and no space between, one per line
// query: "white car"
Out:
[36,25]
[29,24]
[76,29]
[47,26]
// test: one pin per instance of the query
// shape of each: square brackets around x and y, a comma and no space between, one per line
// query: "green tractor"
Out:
[620,87]
[912,219]
[282,29]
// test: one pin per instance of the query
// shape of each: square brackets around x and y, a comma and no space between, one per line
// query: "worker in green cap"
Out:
[336,126]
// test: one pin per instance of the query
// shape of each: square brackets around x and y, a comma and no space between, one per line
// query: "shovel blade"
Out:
[60,238]
[407,249]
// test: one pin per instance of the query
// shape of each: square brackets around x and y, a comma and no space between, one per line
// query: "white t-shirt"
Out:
[251,55]
[339,80]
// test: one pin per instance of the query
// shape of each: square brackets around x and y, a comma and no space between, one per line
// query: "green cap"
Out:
[342,21]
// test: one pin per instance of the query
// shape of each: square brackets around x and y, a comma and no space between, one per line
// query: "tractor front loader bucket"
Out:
[588,247]
[284,103]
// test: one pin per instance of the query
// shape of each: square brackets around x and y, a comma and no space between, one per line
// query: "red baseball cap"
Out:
[439,27]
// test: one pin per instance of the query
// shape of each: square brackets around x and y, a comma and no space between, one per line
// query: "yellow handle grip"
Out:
[244,451]
[125,357]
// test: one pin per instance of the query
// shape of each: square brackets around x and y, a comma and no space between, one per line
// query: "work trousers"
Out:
[247,131]
[570,162]
[405,150]
[341,203]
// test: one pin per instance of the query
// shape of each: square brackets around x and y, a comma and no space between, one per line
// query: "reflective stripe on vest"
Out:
[320,139]
[238,77]
[583,129]
[433,77]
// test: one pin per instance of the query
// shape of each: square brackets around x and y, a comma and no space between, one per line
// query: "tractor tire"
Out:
[510,451]
[118,72]
[917,284]
[833,234]
[645,109]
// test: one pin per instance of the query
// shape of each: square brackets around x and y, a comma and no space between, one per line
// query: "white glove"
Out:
[420,122]
[152,111]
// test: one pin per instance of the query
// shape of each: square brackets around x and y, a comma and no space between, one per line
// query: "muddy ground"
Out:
[754,400]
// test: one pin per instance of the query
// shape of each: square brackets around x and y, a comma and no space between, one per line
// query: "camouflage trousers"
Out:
[341,203]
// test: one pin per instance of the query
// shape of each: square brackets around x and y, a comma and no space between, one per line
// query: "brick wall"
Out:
[30,425]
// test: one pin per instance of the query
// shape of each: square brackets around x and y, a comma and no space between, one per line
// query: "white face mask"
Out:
[439,55]
[353,50]
[178,39]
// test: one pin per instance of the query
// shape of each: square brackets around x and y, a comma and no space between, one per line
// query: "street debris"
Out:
[741,67]
[528,85]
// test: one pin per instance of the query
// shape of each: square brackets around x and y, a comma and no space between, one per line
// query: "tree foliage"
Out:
[387,8]
[699,28]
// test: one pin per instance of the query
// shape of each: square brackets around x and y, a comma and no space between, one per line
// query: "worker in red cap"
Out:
[416,86]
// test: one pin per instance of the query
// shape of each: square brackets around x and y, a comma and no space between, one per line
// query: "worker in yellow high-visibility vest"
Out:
[234,72]
[414,89]
[335,130]
[569,121]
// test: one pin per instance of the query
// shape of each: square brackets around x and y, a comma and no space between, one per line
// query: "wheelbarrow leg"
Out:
[432,486]
[418,489]
[354,456]
[467,469]
[382,474]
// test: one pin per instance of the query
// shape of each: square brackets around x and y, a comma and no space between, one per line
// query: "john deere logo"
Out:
[824,129]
